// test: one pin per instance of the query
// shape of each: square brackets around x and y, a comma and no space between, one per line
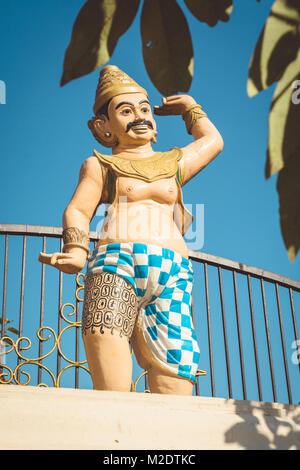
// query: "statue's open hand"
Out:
[70,263]
[174,105]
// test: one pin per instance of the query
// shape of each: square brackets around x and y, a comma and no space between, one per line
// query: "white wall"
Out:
[49,418]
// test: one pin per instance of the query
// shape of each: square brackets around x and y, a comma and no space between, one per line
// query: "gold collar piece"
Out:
[158,166]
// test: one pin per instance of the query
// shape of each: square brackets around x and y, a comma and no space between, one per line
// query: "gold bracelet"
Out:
[76,245]
[73,236]
[191,115]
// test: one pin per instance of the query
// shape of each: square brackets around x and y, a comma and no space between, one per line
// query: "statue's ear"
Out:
[99,125]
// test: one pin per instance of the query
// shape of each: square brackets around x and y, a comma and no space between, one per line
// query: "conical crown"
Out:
[114,82]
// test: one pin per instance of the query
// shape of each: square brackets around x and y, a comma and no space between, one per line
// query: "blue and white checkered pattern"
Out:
[163,282]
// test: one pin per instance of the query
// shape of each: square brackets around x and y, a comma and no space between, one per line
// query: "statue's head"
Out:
[122,111]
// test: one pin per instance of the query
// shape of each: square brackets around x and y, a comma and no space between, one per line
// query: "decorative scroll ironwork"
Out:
[9,375]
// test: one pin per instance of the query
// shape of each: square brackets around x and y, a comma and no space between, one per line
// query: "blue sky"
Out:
[45,138]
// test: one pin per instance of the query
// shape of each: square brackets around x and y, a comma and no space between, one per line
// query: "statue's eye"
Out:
[126,111]
[145,109]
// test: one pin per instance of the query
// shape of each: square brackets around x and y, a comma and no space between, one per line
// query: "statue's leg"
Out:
[160,378]
[160,382]
[164,340]
[109,313]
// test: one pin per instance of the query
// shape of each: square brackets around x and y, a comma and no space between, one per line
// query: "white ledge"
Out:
[59,418]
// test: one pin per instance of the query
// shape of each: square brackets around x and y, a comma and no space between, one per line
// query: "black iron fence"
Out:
[246,321]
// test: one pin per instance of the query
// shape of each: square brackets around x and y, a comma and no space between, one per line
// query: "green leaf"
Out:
[167,46]
[5,340]
[284,153]
[6,321]
[95,34]
[276,57]
[284,118]
[289,205]
[210,11]
[13,330]
[276,47]
[10,328]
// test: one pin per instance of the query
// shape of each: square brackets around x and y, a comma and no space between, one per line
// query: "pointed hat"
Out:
[114,82]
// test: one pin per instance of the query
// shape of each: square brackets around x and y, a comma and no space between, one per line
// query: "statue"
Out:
[139,278]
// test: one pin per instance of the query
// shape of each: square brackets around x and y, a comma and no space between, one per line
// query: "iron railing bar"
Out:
[244,269]
[209,331]
[42,308]
[22,299]
[77,343]
[197,389]
[94,237]
[49,231]
[268,339]
[283,345]
[39,230]
[225,332]
[4,286]
[32,230]
[60,291]
[239,335]
[294,318]
[147,386]
[254,337]
[22,285]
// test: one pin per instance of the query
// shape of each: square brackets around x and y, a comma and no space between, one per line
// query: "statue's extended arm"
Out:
[78,214]
[208,141]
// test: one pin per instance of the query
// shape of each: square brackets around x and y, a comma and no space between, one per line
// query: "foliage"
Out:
[10,328]
[276,58]
[96,31]
[2,341]
[168,58]
[167,44]
[210,12]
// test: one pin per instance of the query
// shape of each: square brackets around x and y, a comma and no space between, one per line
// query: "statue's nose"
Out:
[138,114]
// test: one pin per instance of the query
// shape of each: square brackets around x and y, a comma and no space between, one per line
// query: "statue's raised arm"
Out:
[208,141]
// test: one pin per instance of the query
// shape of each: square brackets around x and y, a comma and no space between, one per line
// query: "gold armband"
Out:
[191,115]
[74,237]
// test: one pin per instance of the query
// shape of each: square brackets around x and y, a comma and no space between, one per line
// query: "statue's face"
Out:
[131,119]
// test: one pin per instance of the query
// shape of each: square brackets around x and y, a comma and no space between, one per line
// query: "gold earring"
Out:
[154,138]
[107,134]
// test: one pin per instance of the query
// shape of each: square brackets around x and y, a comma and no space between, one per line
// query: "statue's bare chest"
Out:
[164,190]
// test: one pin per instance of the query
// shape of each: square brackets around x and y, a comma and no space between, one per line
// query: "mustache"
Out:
[135,123]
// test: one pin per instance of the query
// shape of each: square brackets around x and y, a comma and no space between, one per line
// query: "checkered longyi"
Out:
[163,281]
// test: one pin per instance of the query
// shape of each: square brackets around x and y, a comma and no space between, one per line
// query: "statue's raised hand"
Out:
[70,263]
[174,105]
